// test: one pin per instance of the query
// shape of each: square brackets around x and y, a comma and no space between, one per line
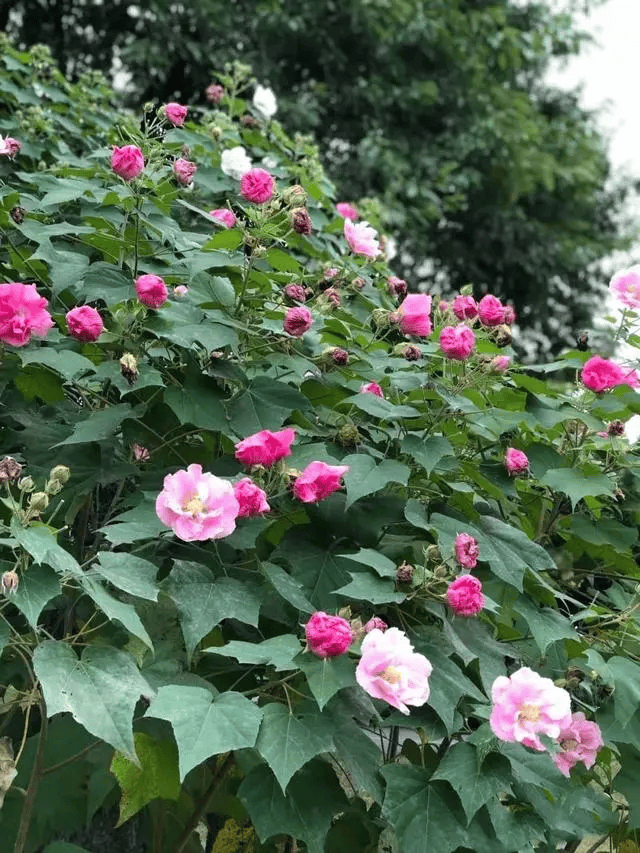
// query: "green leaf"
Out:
[116,610]
[358,754]
[37,587]
[203,600]
[626,695]
[65,362]
[211,336]
[108,282]
[5,635]
[314,566]
[204,725]
[627,781]
[381,408]
[365,476]
[154,776]
[265,404]
[287,742]
[427,452]
[100,425]
[198,402]
[577,484]
[367,587]
[129,573]
[385,567]
[546,625]
[100,690]
[475,781]
[325,676]
[287,587]
[278,652]
[39,541]
[448,683]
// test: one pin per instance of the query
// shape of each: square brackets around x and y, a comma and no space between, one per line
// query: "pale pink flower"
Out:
[214,93]
[515,461]
[347,211]
[9,146]
[466,550]
[184,170]
[318,481]
[375,623]
[175,113]
[464,595]
[197,506]
[372,388]
[509,315]
[265,447]
[297,321]
[223,216]
[23,313]
[328,636]
[526,705]
[180,291]
[361,239]
[151,290]
[295,292]
[257,185]
[599,375]
[414,314]
[251,498]
[84,323]
[127,162]
[465,307]
[332,272]
[490,311]
[500,364]
[390,669]
[397,286]
[625,286]
[457,342]
[580,740]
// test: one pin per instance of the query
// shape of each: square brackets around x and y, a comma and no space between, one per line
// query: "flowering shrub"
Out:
[196,469]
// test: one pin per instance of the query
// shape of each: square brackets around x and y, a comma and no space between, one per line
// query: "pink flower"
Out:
[375,623]
[465,307]
[600,374]
[515,461]
[214,93]
[625,286]
[397,286]
[443,306]
[295,292]
[372,388]
[332,272]
[151,290]
[257,185]
[490,311]
[500,364]
[466,550]
[180,291]
[318,481]
[579,740]
[197,506]
[389,669]
[297,321]
[457,342]
[509,315]
[251,498]
[184,170]
[526,705]
[464,596]
[328,636]
[175,113]
[223,216]
[127,162]
[9,146]
[414,314]
[140,453]
[347,211]
[361,239]
[84,323]
[265,447]
[23,313]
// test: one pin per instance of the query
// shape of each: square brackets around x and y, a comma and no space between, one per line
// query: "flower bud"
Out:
[348,435]
[358,283]
[52,487]
[301,221]
[404,573]
[26,484]
[433,554]
[38,502]
[440,571]
[216,132]
[339,356]
[380,318]
[249,121]
[9,582]
[10,470]
[60,473]
[408,351]
[616,428]
[294,195]
[129,367]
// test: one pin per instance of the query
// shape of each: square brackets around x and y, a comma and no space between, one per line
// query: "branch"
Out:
[201,808]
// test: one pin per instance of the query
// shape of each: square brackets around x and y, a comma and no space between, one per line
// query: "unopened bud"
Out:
[60,473]
[149,107]
[129,367]
[17,214]
[214,93]
[348,435]
[404,573]
[38,502]
[294,195]
[433,554]
[301,221]
[249,121]
[9,582]
[380,318]
[52,487]
[216,131]
[339,356]
[26,484]
[10,470]
[440,571]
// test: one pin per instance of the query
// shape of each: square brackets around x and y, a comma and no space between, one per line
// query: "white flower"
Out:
[264,100]
[3,146]
[235,162]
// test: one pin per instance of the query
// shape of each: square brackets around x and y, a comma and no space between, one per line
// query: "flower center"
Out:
[391,675]
[568,744]
[530,713]
[194,505]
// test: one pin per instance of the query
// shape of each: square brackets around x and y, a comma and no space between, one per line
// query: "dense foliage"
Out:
[439,109]
[167,671]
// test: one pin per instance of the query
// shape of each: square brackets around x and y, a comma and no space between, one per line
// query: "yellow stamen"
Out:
[390,675]
[568,744]
[194,505]
[530,713]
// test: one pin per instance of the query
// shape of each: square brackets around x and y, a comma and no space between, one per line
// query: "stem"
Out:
[202,805]
[32,790]
[71,759]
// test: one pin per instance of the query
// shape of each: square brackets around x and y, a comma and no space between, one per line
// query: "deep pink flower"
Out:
[23,313]
[414,314]
[223,216]
[500,364]
[465,307]
[295,292]
[257,185]
[361,239]
[9,146]
[397,286]
[600,374]
[318,481]
[372,388]
[197,506]
[127,162]
[328,636]
[184,170]
[515,461]
[457,342]
[580,740]
[347,211]
[375,623]
[526,705]
[339,356]
[265,447]
[251,498]
[466,550]
[151,290]
[491,311]
[509,315]
[464,596]
[297,321]
[175,113]
[390,669]
[84,323]
[214,93]
[625,286]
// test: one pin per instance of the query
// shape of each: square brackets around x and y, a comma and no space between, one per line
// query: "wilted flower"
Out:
[375,623]
[129,367]
[339,356]
[10,470]
[579,740]
[214,93]
[295,292]
[180,291]
[140,453]
[9,146]
[372,388]
[297,321]
[397,286]
[9,582]
[301,221]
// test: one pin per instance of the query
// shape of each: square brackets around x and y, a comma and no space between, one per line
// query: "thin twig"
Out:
[202,805]
[34,781]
